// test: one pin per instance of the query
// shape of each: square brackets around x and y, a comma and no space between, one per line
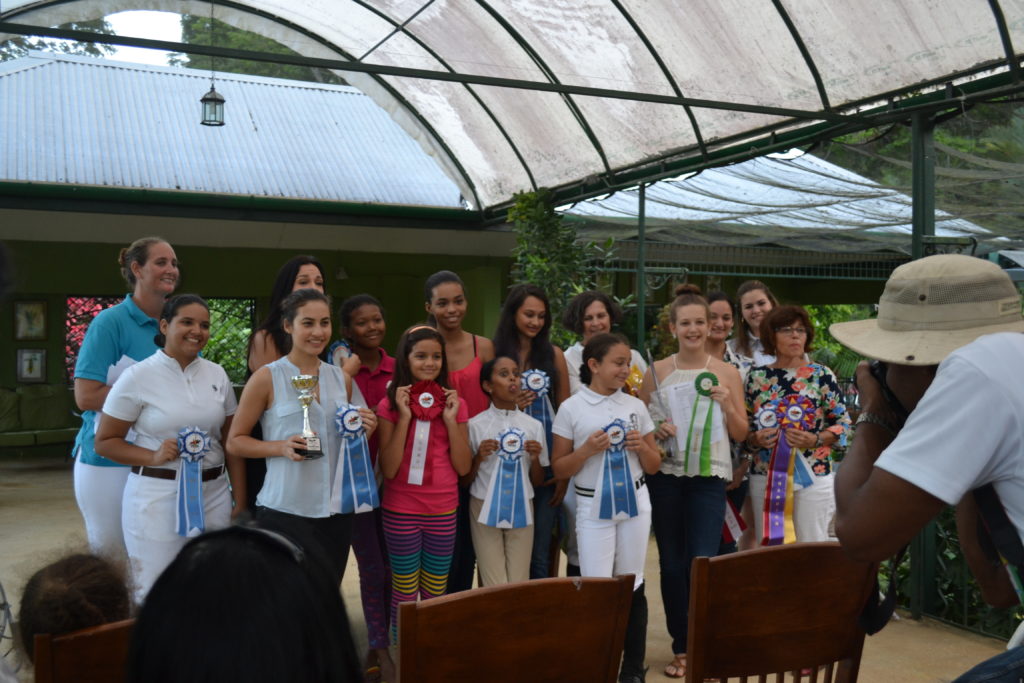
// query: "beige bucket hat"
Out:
[933,306]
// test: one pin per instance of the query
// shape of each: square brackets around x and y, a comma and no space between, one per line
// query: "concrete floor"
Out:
[39,522]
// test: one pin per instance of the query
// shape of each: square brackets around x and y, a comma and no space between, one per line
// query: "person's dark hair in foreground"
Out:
[245,603]
[75,592]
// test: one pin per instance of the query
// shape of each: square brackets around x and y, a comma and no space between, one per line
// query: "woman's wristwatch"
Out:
[818,443]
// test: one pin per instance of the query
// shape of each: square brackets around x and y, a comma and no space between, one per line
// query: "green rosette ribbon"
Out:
[704,382]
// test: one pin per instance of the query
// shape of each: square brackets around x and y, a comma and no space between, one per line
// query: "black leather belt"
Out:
[163,473]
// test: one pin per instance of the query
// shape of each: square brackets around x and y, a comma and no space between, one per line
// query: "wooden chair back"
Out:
[559,629]
[92,655]
[771,610]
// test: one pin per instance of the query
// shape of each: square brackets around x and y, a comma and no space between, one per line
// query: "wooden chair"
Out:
[561,629]
[92,655]
[771,610]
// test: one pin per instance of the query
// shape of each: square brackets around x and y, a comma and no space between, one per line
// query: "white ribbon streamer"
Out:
[420,439]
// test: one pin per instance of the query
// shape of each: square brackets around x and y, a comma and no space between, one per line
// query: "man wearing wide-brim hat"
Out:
[948,334]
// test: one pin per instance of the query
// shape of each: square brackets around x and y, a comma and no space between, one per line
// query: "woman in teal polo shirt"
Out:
[116,339]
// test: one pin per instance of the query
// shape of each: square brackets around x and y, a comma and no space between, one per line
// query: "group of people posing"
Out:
[459,449]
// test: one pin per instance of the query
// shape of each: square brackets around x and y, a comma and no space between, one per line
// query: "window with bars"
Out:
[231,321]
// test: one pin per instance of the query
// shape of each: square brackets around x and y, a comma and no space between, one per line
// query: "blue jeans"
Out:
[545,521]
[1006,667]
[687,516]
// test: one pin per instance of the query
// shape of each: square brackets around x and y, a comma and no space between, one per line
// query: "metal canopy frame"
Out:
[791,130]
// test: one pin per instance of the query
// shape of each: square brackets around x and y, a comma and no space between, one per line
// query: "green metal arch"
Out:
[472,91]
[666,72]
[804,52]
[550,74]
[1004,36]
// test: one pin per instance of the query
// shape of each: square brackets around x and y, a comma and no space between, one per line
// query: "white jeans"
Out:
[148,521]
[610,548]
[813,508]
[98,494]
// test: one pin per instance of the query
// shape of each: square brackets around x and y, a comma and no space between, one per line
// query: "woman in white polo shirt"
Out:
[178,404]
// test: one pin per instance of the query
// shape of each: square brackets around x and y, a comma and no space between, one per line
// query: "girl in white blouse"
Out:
[503,543]
[605,438]
[159,399]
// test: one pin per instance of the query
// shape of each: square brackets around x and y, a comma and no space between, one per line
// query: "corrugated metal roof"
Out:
[86,121]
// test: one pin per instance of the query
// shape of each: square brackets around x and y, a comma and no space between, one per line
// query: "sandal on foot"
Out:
[372,674]
[677,667]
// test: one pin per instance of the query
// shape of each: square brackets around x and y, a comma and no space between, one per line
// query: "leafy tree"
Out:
[549,255]
[197,29]
[828,351]
[19,46]
[230,324]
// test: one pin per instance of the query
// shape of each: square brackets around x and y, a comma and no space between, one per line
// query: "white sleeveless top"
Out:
[302,487]
[675,463]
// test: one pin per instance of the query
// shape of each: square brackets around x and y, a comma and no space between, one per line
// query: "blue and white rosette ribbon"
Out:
[615,498]
[505,505]
[193,445]
[541,409]
[355,485]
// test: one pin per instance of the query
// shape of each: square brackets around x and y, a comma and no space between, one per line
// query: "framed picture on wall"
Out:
[29,320]
[31,365]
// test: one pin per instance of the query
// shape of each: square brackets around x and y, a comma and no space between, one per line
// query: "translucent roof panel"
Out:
[754,67]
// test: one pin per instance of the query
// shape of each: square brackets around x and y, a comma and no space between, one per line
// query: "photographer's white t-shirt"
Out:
[968,428]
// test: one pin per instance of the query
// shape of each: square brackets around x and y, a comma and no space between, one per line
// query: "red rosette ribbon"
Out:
[426,400]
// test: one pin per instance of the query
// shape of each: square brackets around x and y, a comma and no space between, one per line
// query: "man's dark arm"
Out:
[981,556]
[877,513]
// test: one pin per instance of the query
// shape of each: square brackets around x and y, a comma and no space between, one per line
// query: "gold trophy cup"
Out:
[305,385]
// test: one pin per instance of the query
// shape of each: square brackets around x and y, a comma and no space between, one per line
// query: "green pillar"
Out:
[641,271]
[922,157]
[923,570]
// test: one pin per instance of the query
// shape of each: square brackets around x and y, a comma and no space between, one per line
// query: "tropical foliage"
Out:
[197,29]
[19,46]
[548,254]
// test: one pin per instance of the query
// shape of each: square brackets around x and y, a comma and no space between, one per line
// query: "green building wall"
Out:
[52,271]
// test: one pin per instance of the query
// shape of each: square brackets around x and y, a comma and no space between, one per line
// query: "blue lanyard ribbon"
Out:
[193,445]
[541,410]
[506,506]
[355,483]
[618,495]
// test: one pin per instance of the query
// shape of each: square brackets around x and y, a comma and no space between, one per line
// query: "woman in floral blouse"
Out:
[797,419]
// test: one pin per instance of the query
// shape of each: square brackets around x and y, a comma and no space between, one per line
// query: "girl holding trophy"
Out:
[424,449]
[179,406]
[523,335]
[310,436]
[605,439]
[697,402]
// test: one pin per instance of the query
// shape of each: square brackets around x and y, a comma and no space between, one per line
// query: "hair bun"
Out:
[688,288]
[122,257]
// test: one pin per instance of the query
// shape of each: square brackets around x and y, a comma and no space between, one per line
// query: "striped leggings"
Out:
[420,548]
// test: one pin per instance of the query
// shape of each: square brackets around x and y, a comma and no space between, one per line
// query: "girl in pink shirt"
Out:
[424,450]
[363,327]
